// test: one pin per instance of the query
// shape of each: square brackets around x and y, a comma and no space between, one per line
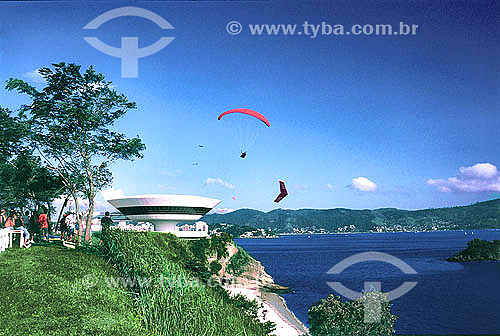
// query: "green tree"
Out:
[332,317]
[27,184]
[70,122]
[10,135]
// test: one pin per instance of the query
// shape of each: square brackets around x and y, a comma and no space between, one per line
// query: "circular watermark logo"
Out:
[129,53]
[90,280]
[234,27]
[372,309]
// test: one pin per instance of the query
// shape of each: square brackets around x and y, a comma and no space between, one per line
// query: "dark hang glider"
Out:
[283,192]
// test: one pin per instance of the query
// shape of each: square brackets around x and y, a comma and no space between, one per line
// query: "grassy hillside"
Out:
[44,293]
[144,283]
[483,215]
[172,288]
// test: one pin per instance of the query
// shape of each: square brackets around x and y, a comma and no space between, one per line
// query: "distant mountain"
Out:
[482,215]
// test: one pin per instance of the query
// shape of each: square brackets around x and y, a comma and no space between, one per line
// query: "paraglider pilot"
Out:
[243,155]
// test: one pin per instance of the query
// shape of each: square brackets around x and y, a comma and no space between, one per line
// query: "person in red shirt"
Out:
[44,224]
[9,222]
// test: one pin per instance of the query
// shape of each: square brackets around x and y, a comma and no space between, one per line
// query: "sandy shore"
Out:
[274,310]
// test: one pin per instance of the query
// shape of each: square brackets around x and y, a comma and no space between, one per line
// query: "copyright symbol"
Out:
[90,280]
[234,27]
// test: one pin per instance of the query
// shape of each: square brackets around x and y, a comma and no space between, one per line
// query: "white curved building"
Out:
[165,211]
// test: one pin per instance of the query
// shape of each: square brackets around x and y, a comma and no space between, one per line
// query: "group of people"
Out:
[35,226]
[69,227]
[32,226]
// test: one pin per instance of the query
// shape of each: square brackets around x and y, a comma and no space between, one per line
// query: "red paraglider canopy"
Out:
[249,112]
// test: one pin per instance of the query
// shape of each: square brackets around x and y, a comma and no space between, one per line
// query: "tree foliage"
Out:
[70,122]
[332,317]
[11,134]
[27,184]
[478,250]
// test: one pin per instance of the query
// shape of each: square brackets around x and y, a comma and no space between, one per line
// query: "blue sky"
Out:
[411,115]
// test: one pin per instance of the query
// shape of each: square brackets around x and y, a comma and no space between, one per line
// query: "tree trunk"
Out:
[61,212]
[77,213]
[90,196]
[89,220]
[49,210]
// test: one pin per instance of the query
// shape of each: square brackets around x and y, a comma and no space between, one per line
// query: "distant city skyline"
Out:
[358,122]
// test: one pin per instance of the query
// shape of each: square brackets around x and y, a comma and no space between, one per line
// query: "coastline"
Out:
[256,284]
[273,309]
[368,232]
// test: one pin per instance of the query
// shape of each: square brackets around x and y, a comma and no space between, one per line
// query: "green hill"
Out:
[135,283]
[478,250]
[482,215]
[56,291]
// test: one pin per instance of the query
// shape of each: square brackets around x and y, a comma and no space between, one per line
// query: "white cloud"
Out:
[83,204]
[165,187]
[477,178]
[330,186]
[34,76]
[224,210]
[172,173]
[299,187]
[480,170]
[112,193]
[219,181]
[363,184]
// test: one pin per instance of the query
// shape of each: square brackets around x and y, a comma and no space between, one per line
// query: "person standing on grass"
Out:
[71,226]
[63,226]
[21,222]
[26,219]
[44,224]
[106,223]
[34,227]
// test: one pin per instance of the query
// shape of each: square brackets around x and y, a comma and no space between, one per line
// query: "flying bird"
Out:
[283,192]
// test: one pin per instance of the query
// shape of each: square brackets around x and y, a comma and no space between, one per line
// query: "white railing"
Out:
[7,236]
[4,239]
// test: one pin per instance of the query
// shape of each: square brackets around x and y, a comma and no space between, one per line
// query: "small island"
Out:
[478,250]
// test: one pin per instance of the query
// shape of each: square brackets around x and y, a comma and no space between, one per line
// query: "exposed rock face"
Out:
[253,276]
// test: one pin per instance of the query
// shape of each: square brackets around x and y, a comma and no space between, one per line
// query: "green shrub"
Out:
[332,317]
[215,267]
[238,262]
[218,245]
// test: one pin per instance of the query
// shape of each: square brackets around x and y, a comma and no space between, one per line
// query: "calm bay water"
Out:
[450,298]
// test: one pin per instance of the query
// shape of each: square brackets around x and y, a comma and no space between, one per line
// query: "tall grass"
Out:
[171,296]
